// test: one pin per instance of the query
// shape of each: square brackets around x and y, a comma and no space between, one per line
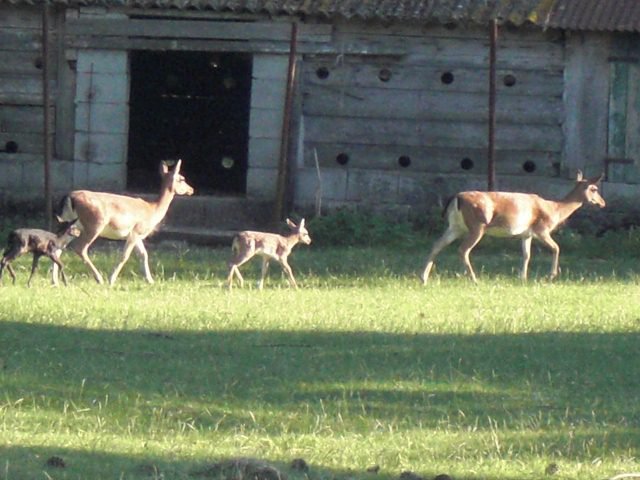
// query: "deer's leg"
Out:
[470,241]
[545,238]
[3,263]
[265,268]
[34,265]
[12,273]
[126,253]
[449,236]
[81,247]
[234,264]
[526,256]
[142,250]
[9,256]
[55,258]
[234,270]
[287,268]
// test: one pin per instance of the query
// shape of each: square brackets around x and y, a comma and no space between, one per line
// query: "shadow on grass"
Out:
[67,463]
[227,381]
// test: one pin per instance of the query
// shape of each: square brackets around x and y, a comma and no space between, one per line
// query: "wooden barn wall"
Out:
[414,102]
[21,104]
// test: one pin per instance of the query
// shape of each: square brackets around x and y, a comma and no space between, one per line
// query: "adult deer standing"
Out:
[505,214]
[270,246]
[120,217]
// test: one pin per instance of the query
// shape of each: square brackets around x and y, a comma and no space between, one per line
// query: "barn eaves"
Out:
[516,12]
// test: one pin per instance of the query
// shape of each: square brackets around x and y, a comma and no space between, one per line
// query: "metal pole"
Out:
[281,188]
[46,113]
[491,166]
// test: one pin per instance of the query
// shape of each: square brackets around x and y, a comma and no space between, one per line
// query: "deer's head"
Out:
[587,190]
[300,230]
[69,229]
[174,181]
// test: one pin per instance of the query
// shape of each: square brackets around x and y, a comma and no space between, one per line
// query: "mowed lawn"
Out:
[363,372]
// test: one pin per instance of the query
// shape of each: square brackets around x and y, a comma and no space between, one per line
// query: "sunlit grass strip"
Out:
[355,369]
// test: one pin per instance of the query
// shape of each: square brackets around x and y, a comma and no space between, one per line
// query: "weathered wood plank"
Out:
[20,85]
[429,159]
[419,105]
[19,62]
[16,119]
[413,77]
[20,40]
[522,34]
[192,29]
[431,133]
[28,142]
[12,16]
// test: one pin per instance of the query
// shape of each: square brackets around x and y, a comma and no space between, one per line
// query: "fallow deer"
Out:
[270,246]
[39,243]
[506,214]
[120,217]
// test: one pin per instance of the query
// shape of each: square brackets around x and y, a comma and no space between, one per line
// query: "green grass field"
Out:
[362,367]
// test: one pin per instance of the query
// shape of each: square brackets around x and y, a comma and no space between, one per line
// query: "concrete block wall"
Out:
[102,119]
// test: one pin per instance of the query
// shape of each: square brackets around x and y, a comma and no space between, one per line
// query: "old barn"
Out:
[387,102]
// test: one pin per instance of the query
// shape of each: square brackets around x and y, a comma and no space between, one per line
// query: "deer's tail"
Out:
[66,211]
[452,204]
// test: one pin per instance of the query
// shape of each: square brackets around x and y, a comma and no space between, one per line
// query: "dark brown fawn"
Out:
[270,246]
[504,214]
[39,243]
[119,217]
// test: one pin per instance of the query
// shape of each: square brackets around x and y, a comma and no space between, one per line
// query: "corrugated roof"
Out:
[595,15]
[443,11]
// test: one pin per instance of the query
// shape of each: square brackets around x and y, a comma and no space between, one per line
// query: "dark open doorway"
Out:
[193,106]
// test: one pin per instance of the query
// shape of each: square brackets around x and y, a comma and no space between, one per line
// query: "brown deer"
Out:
[270,246]
[39,243]
[473,214]
[120,217]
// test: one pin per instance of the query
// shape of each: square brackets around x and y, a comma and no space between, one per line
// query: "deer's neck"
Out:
[292,240]
[566,207]
[161,205]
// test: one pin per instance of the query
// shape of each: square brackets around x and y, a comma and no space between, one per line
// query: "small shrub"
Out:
[347,227]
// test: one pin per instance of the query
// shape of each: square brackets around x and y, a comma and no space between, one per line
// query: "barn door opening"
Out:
[193,106]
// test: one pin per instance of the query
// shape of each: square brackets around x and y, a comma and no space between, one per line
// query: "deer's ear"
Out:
[597,179]
[178,165]
[163,167]
[291,224]
[579,176]
[302,223]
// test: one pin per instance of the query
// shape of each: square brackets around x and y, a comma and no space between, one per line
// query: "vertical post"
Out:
[281,188]
[46,113]
[491,154]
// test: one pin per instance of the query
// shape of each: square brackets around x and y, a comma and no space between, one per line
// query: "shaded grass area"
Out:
[363,366]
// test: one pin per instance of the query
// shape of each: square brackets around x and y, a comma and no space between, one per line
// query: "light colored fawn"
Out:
[120,217]
[504,214]
[40,243]
[270,246]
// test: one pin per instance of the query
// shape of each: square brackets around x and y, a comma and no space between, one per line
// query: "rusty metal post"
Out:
[491,154]
[283,164]
[46,114]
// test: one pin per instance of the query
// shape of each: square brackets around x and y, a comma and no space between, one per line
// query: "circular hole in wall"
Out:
[447,78]
[529,166]
[228,163]
[38,63]
[404,161]
[11,147]
[509,80]
[466,163]
[322,73]
[384,75]
[342,158]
